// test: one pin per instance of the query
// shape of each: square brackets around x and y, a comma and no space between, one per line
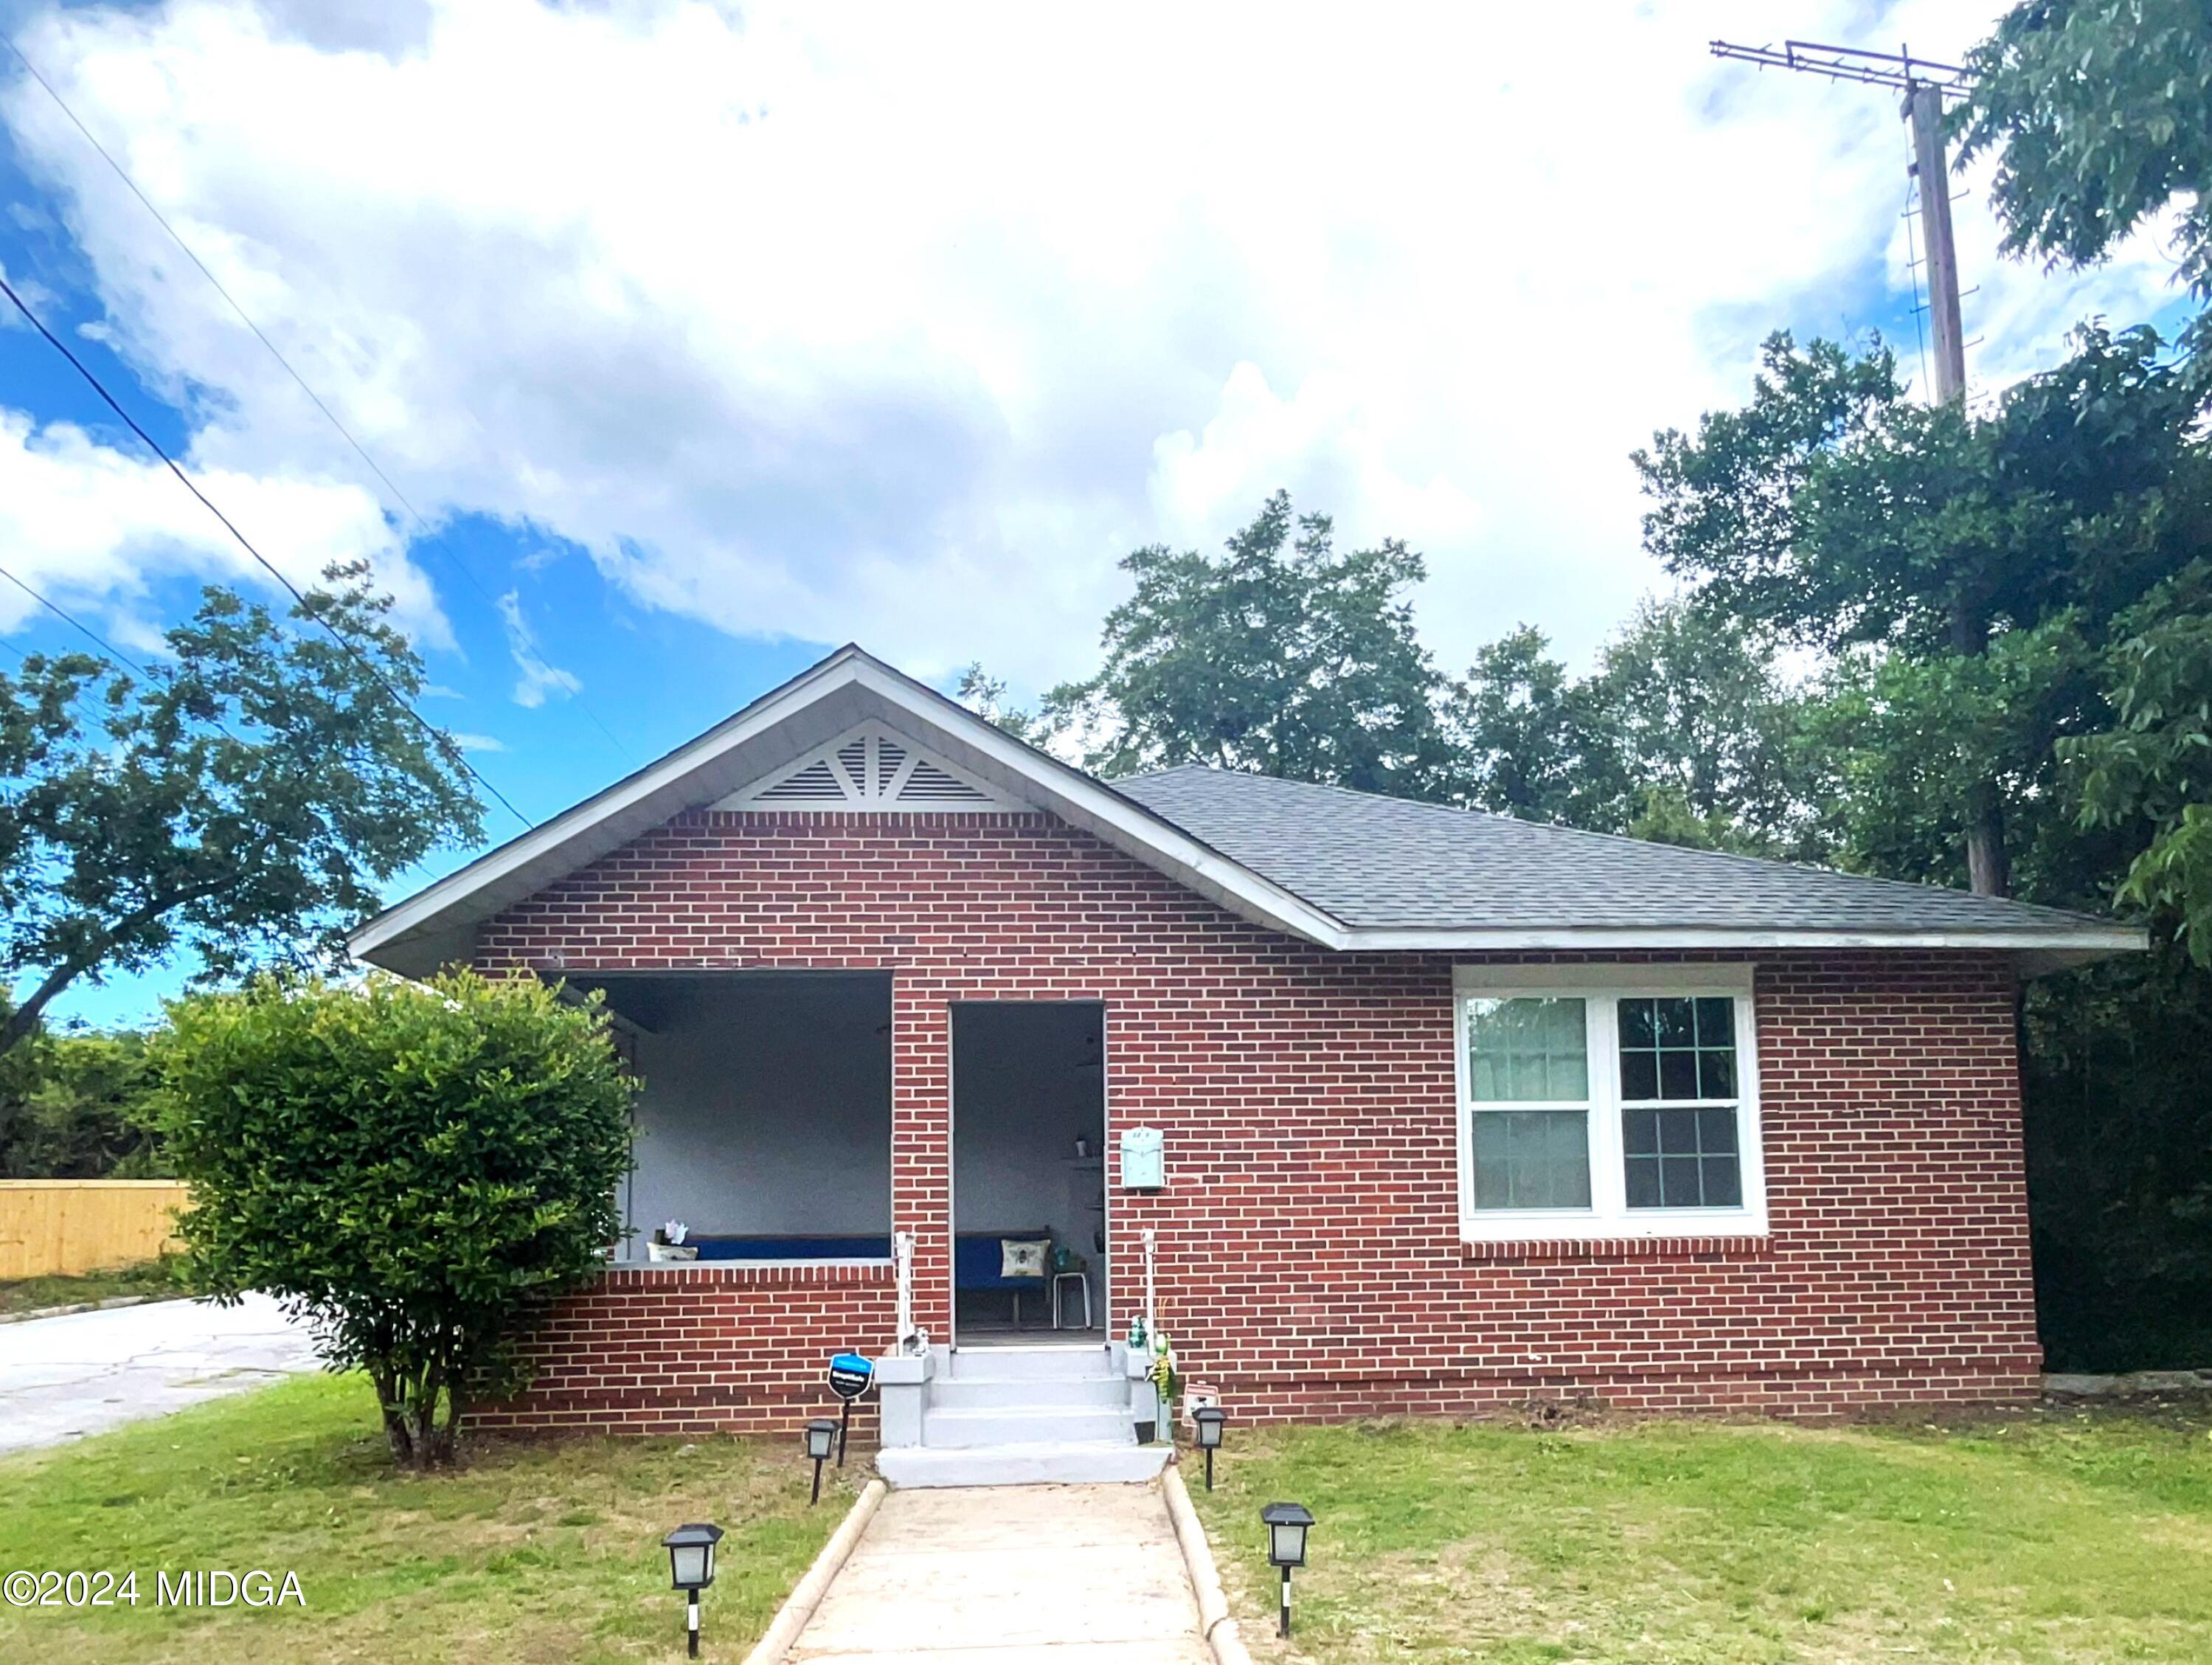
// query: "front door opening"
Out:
[1029,1172]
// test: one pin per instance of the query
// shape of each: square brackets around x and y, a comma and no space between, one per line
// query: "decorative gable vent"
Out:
[869,769]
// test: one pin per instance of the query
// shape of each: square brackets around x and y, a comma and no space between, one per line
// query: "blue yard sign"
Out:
[849,1376]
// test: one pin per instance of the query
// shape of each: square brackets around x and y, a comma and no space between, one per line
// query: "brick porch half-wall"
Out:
[1309,1259]
[695,1349]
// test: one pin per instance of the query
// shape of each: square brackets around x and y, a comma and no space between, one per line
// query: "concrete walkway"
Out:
[1084,1575]
[85,1372]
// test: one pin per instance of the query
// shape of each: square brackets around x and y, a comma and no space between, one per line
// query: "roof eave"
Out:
[2040,949]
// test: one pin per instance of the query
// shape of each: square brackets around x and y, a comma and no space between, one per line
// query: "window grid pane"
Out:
[1682,1158]
[1673,1048]
[1531,1159]
[1527,1050]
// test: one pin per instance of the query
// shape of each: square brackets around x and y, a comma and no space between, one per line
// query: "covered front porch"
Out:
[769,1135]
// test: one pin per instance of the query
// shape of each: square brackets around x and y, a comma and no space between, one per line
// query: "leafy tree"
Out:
[1523,731]
[1685,733]
[1281,657]
[2099,114]
[1708,738]
[413,1167]
[247,799]
[2150,773]
[1839,513]
[77,1106]
[986,696]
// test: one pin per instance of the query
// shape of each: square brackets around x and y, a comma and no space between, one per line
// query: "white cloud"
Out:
[478,742]
[35,295]
[903,326]
[537,679]
[91,528]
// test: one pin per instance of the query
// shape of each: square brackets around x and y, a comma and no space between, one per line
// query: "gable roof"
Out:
[1346,870]
[1391,865]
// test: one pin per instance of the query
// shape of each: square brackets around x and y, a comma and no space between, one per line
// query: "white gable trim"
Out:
[870,768]
[611,818]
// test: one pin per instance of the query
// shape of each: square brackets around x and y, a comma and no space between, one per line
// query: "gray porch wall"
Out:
[766,1108]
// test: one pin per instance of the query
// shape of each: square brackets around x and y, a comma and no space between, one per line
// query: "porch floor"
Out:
[988,1335]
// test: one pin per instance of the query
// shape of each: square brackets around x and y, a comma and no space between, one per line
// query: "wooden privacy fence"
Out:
[68,1225]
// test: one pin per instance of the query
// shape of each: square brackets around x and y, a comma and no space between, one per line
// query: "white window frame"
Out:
[1601,988]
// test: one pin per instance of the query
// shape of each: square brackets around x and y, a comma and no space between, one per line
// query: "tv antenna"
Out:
[1925,84]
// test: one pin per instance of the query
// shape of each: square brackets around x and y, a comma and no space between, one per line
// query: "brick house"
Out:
[1450,1110]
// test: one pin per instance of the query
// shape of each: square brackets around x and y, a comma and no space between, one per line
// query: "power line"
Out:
[98,640]
[452,751]
[55,607]
[1913,270]
[429,532]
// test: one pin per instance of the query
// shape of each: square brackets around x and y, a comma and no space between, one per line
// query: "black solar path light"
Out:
[692,1569]
[1207,1419]
[1286,1524]
[821,1441]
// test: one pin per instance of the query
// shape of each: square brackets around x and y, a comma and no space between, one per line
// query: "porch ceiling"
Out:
[659,1001]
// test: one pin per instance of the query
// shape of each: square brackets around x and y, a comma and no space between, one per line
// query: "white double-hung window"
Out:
[1603,1101]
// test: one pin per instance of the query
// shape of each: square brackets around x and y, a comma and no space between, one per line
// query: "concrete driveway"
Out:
[62,1378]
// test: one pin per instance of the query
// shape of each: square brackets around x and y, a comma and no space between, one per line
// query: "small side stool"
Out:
[1082,1281]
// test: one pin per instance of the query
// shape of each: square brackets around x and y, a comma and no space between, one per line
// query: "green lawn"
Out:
[547,1551]
[159,1277]
[2053,1537]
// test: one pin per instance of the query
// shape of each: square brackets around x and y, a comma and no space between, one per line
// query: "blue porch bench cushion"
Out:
[975,1256]
[793,1249]
[976,1259]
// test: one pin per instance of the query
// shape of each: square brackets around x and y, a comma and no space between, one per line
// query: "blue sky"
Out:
[707,338]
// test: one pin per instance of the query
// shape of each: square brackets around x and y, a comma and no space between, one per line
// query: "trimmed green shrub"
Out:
[413,1167]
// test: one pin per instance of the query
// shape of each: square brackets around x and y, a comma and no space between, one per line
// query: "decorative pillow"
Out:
[1022,1257]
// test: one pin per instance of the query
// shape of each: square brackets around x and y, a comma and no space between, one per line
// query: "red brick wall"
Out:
[686,1350]
[1310,1258]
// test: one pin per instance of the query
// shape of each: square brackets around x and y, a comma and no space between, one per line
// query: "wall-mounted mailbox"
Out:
[1144,1159]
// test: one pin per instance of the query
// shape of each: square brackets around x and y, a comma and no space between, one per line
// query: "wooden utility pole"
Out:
[1925,85]
[1924,108]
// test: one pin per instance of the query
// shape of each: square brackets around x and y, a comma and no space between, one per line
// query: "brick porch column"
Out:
[921,1140]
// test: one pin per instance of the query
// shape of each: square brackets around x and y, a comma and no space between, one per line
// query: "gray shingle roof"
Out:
[1382,862]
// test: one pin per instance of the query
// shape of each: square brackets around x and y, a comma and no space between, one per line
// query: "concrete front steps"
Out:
[1025,1416]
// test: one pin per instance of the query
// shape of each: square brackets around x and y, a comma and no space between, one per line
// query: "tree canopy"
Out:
[1282,655]
[2099,115]
[245,799]
[76,1105]
[1685,732]
[1971,562]
[2150,773]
